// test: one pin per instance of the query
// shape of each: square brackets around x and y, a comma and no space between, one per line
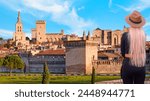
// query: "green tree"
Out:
[1,38]
[93,76]
[45,79]
[13,62]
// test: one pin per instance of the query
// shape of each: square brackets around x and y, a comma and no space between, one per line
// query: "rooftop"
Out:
[52,52]
[97,29]
[53,33]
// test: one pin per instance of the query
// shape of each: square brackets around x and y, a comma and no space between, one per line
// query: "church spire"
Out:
[18,19]
[84,36]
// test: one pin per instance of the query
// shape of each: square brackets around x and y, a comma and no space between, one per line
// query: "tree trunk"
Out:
[10,72]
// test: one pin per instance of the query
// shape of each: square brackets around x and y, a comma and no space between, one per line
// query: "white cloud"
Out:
[147,24]
[110,3]
[81,8]
[139,5]
[60,11]
[9,34]
[3,31]
[147,38]
[28,35]
[6,33]
[63,13]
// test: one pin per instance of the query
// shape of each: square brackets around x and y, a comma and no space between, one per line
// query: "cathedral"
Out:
[19,36]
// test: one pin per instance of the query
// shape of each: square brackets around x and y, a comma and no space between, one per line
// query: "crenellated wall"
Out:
[108,67]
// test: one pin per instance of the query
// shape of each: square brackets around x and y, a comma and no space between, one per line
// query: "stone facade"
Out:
[79,55]
[108,67]
[39,34]
[107,38]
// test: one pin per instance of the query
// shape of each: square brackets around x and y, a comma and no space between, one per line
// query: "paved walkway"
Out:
[147,81]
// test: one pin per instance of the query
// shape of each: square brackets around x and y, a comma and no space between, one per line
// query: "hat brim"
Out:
[135,25]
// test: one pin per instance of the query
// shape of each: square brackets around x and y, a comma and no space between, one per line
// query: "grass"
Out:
[53,79]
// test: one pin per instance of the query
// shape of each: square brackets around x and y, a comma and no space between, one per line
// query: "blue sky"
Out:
[73,16]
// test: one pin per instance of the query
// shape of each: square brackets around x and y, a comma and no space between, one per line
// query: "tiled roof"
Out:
[52,52]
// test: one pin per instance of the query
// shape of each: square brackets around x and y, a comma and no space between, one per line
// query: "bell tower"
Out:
[19,24]
[19,35]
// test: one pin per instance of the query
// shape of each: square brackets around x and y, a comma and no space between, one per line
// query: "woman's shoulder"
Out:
[125,35]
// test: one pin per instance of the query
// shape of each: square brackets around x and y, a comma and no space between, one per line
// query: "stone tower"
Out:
[19,35]
[40,31]
[79,56]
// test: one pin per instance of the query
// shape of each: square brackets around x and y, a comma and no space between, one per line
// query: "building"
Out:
[107,38]
[54,58]
[148,56]
[3,52]
[80,55]
[19,36]
[39,34]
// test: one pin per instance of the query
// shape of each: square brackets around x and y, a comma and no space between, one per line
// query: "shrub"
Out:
[93,76]
[45,79]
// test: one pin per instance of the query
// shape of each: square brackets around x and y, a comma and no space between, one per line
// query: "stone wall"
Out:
[108,67]
[53,68]
[75,61]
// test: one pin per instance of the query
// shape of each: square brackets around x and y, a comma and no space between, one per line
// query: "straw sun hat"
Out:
[135,19]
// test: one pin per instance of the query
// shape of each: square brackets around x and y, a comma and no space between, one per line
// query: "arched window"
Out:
[20,28]
[115,41]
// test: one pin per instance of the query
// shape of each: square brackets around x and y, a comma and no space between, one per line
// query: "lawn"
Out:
[36,79]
